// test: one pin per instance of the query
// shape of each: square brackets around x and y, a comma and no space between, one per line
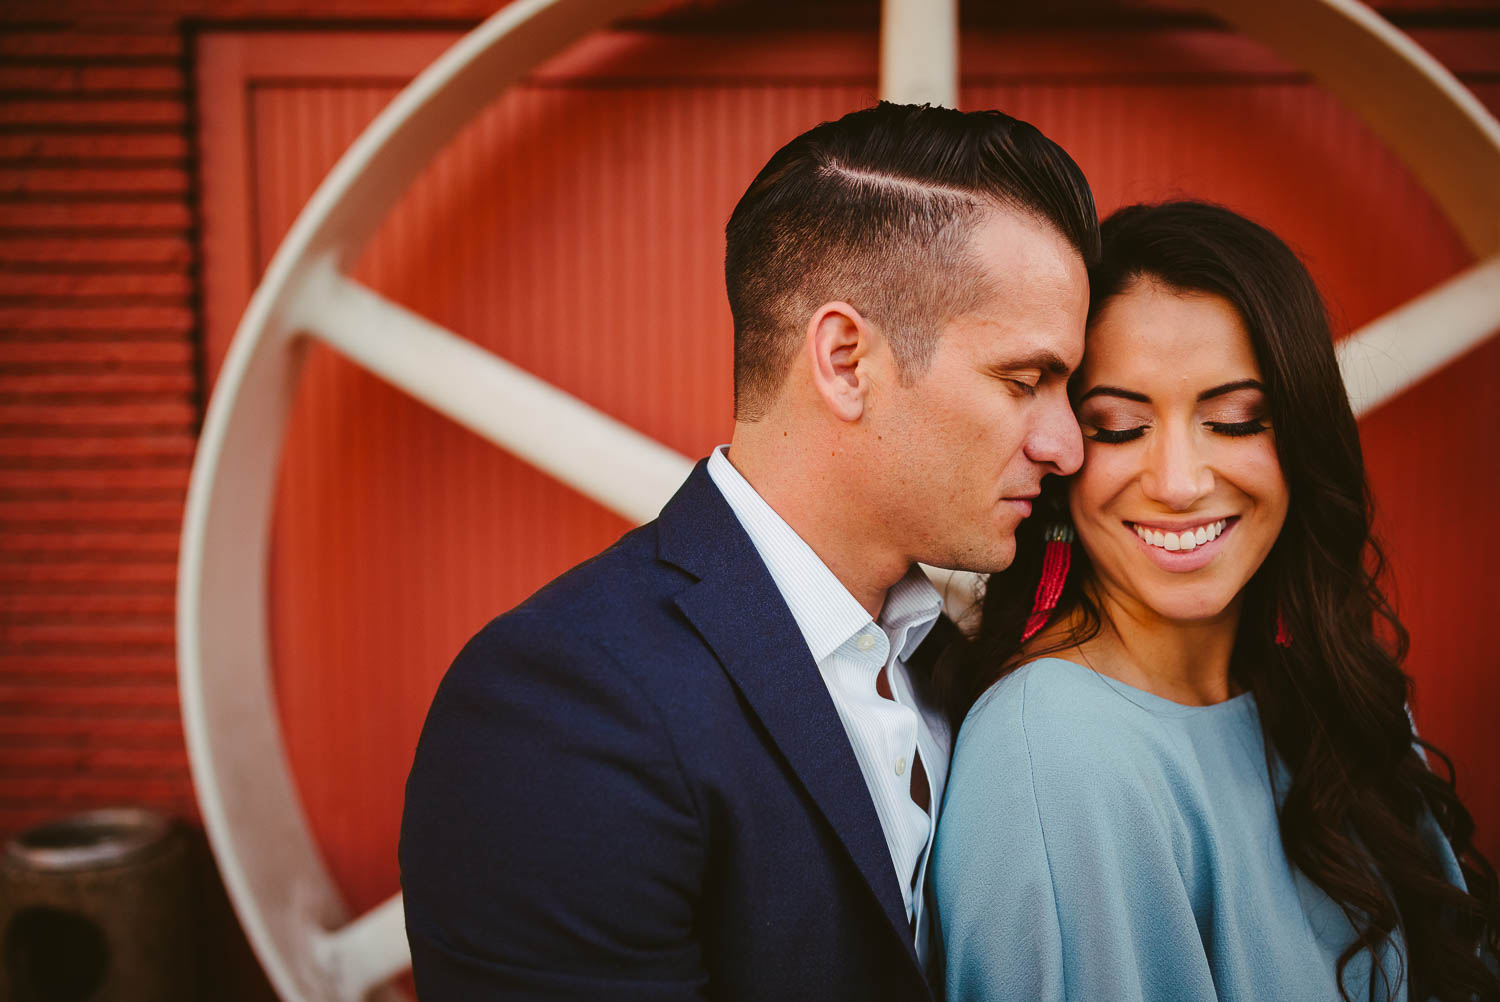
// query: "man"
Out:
[703,764]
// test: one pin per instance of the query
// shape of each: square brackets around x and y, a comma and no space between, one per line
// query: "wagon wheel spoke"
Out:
[366,952]
[1400,349]
[622,469]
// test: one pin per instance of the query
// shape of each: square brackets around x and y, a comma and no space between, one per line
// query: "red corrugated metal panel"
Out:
[576,229]
[97,417]
[1432,456]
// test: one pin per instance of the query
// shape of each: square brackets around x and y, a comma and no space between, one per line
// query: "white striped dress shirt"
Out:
[850,648]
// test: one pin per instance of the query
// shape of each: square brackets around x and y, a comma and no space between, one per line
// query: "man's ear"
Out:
[841,342]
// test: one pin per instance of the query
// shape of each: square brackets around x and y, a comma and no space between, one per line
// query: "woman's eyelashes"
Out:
[1229,429]
[1238,429]
[1114,437]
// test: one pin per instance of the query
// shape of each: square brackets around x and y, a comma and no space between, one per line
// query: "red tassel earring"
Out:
[1055,561]
[1283,635]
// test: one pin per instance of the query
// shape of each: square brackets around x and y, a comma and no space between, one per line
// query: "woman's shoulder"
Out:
[1054,694]
[1073,726]
[1056,753]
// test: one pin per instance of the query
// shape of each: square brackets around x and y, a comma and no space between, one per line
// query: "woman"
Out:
[1191,773]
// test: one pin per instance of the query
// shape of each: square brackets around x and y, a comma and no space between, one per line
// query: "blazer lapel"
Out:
[737,609]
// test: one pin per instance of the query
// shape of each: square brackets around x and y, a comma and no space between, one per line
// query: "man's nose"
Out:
[1056,440]
[1176,474]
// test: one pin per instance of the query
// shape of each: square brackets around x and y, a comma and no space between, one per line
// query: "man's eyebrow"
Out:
[1046,361]
[1239,384]
[1115,391]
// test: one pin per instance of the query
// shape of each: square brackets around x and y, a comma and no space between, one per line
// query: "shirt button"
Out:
[865,642]
[901,766]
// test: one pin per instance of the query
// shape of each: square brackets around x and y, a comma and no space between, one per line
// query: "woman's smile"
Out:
[1184,546]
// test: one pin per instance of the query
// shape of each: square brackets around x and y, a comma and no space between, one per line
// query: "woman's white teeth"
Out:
[1188,539]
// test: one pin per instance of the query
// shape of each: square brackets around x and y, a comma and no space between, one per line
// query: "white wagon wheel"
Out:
[310,947]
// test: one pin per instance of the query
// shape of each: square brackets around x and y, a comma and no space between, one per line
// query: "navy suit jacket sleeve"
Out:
[550,847]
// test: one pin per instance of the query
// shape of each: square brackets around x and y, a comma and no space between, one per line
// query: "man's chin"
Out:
[991,560]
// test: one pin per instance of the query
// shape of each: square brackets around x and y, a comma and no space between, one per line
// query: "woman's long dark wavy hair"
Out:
[1333,704]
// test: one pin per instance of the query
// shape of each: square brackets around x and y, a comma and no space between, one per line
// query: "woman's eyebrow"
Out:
[1115,391]
[1141,398]
[1239,384]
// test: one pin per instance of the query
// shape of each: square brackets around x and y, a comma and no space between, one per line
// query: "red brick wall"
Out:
[98,415]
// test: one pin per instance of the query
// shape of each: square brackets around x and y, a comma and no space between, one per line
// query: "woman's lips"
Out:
[1181,559]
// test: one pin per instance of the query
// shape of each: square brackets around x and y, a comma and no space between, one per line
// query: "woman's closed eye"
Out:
[1230,429]
[1114,436]
[1238,429]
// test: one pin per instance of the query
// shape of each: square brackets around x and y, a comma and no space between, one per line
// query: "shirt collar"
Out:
[912,606]
[824,610]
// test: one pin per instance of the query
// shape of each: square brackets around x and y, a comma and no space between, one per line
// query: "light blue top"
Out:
[1099,842]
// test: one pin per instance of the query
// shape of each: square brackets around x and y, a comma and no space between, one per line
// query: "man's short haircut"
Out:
[876,209]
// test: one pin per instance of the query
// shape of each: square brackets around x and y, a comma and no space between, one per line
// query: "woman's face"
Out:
[1181,496]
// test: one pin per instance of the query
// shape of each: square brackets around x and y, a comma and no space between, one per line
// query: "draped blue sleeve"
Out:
[1056,866]
[1100,842]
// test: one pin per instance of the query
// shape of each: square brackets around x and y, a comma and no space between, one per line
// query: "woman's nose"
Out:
[1177,475]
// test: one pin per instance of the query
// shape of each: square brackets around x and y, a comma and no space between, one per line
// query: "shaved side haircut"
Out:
[877,209]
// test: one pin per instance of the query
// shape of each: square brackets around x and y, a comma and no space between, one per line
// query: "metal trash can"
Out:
[98,907]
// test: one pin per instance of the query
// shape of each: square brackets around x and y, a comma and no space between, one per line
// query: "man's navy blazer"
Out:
[635,786]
